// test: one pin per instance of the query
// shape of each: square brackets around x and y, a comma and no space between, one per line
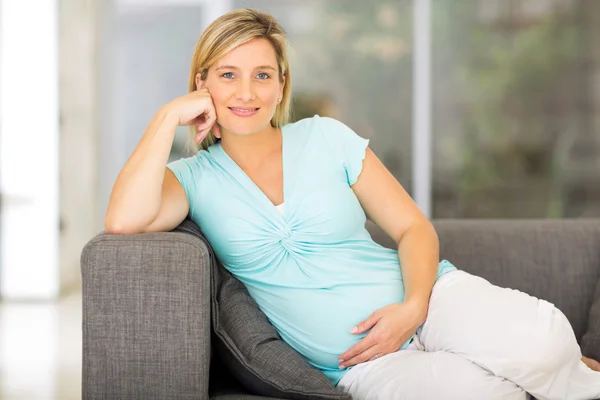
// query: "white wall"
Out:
[29,121]
[49,144]
[78,135]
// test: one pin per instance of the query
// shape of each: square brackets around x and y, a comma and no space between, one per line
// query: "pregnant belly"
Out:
[317,322]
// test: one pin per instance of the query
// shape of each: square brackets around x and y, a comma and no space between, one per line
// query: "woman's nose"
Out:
[245,90]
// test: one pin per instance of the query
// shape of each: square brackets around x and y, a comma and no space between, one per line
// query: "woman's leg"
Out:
[516,336]
[416,375]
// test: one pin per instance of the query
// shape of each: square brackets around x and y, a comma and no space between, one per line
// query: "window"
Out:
[515,109]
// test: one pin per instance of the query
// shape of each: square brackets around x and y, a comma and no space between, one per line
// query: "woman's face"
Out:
[245,87]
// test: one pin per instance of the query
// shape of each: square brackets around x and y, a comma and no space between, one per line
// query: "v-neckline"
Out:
[239,171]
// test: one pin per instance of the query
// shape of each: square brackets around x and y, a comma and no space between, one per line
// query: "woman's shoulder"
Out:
[194,163]
[329,129]
[314,123]
[318,128]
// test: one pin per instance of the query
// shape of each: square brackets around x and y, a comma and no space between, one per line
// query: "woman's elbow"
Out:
[421,227]
[118,227]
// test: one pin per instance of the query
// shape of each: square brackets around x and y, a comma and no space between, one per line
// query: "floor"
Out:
[40,350]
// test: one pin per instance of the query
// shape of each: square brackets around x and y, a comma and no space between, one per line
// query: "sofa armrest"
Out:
[146,316]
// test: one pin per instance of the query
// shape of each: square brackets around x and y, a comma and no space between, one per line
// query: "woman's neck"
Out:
[250,150]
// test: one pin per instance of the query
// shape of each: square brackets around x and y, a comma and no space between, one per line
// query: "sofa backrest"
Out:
[555,260]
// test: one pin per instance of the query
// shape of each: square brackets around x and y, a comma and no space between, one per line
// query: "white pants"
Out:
[481,341]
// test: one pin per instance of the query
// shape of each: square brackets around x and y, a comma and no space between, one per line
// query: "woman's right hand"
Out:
[195,108]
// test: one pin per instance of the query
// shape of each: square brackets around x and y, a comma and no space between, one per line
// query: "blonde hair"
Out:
[230,31]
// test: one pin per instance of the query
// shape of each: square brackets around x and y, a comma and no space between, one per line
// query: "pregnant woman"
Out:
[284,207]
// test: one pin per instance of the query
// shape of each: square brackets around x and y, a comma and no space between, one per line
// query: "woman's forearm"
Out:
[136,195]
[418,251]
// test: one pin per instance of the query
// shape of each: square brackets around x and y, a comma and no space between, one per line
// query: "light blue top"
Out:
[313,270]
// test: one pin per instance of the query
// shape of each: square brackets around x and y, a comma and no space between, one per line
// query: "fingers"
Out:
[365,343]
[367,355]
[201,135]
[366,324]
[216,130]
[209,117]
[204,121]
[359,348]
[203,132]
[204,128]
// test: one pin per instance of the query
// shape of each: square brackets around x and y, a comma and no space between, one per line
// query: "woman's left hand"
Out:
[391,327]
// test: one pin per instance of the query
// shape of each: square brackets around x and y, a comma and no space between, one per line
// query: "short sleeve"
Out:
[186,170]
[349,147]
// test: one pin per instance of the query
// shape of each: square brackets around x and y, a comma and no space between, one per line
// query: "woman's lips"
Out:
[244,111]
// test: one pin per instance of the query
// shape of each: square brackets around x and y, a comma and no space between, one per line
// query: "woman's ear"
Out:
[199,81]
[282,89]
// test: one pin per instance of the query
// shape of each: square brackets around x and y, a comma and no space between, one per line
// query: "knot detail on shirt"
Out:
[287,240]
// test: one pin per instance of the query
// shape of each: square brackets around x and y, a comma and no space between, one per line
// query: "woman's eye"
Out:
[263,75]
[228,75]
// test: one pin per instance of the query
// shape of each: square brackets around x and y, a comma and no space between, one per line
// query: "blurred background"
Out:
[480,108]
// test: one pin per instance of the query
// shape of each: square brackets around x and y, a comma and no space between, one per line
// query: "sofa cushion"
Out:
[250,348]
[590,342]
[253,351]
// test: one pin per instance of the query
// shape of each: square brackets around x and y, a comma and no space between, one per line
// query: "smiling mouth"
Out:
[243,110]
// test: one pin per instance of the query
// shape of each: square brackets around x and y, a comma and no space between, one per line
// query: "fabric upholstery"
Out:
[556,260]
[146,322]
[590,343]
[146,298]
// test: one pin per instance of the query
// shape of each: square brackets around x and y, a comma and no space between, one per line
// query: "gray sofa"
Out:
[146,301]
